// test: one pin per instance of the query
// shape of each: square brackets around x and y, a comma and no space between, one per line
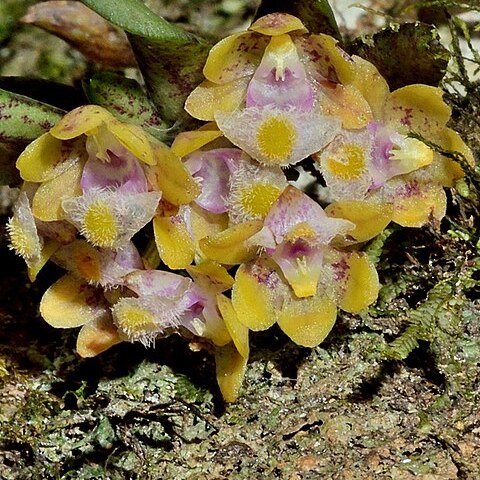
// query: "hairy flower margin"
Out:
[238,247]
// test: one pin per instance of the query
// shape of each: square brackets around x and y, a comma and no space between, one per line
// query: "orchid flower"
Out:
[381,168]
[32,239]
[262,296]
[103,176]
[234,190]
[277,92]
[296,234]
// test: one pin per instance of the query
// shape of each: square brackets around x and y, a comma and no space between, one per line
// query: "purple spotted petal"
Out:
[121,172]
[280,80]
[294,207]
[212,168]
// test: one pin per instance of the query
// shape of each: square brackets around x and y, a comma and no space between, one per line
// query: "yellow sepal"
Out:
[47,202]
[47,157]
[371,85]
[234,57]
[237,331]
[188,142]
[84,119]
[230,368]
[417,108]
[68,303]
[134,139]
[256,305]
[307,321]
[172,178]
[276,24]
[418,210]
[231,246]
[210,98]
[369,218]
[211,276]
[174,244]
[48,249]
[361,286]
[97,336]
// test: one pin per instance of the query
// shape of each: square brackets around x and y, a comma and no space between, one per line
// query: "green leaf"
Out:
[125,98]
[23,119]
[170,59]
[405,54]
[316,15]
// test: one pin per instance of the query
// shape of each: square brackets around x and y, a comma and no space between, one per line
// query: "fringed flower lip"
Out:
[279,93]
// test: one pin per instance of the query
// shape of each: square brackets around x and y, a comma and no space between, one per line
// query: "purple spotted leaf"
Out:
[125,98]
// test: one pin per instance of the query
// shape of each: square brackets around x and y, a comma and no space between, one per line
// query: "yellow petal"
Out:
[47,157]
[446,170]
[211,276]
[134,139]
[82,120]
[231,367]
[361,285]
[451,140]
[70,302]
[210,98]
[325,56]
[205,224]
[97,336]
[346,103]
[216,331]
[277,24]
[369,218]
[234,57]
[47,202]
[48,249]
[172,178]
[237,331]
[188,142]
[417,210]
[417,108]
[175,246]
[255,301]
[231,246]
[371,85]
[307,321]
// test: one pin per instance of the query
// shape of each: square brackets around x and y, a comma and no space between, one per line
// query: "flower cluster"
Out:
[238,247]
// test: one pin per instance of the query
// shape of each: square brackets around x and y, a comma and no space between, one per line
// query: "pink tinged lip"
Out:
[212,168]
[124,173]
